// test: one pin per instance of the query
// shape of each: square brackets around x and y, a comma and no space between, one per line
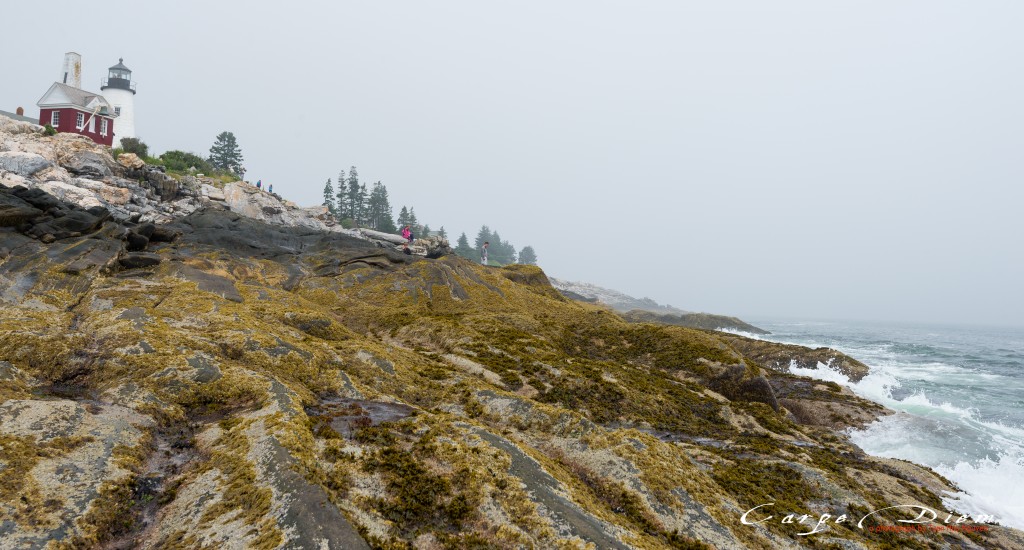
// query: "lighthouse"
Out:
[119,90]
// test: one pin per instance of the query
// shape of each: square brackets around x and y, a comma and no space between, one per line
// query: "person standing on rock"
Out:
[259,184]
[483,252]
[271,188]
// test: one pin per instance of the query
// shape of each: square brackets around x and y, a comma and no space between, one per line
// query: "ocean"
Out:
[959,396]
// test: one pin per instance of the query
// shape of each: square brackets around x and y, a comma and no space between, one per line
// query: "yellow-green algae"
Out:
[583,372]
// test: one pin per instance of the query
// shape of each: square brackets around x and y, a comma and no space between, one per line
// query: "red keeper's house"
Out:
[70,109]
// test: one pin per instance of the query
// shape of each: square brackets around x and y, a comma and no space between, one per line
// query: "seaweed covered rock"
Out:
[781,357]
[66,459]
[737,383]
[256,385]
[694,320]
[222,380]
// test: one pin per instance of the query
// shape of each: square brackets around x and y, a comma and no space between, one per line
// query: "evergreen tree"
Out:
[363,198]
[378,209]
[443,233]
[412,217]
[342,203]
[483,235]
[425,231]
[509,252]
[385,220]
[495,247]
[387,224]
[225,153]
[463,249]
[352,195]
[501,251]
[403,218]
[528,256]
[332,207]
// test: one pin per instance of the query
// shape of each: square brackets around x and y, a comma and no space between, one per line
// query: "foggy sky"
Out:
[847,160]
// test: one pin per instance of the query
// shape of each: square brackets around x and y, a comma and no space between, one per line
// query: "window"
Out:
[103,127]
[79,121]
[55,119]
[92,125]
[117,111]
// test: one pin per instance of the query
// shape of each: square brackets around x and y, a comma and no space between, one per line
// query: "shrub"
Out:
[181,161]
[135,145]
[49,130]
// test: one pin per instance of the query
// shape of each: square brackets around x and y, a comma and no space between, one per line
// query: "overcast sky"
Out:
[816,159]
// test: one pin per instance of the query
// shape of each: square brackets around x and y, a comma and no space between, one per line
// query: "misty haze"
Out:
[797,159]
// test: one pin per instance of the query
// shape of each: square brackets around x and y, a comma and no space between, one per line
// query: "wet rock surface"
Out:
[79,464]
[781,356]
[546,491]
[345,416]
[15,211]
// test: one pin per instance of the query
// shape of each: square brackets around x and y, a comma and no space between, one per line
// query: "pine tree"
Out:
[425,230]
[387,224]
[482,236]
[375,206]
[352,195]
[403,217]
[443,233]
[463,249]
[342,203]
[363,207]
[385,221]
[412,217]
[528,256]
[498,250]
[332,206]
[225,153]
[509,252]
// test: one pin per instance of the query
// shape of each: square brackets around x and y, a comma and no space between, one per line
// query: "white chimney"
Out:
[72,73]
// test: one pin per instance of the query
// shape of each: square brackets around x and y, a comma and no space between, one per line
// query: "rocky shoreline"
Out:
[202,372]
[72,169]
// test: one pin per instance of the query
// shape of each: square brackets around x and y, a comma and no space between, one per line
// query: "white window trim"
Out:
[92,125]
[79,121]
[103,127]
[55,118]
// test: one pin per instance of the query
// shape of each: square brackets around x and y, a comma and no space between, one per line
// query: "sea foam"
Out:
[940,434]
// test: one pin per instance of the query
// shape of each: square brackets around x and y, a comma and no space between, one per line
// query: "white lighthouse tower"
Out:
[119,90]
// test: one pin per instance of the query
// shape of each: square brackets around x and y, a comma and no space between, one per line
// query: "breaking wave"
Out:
[959,411]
